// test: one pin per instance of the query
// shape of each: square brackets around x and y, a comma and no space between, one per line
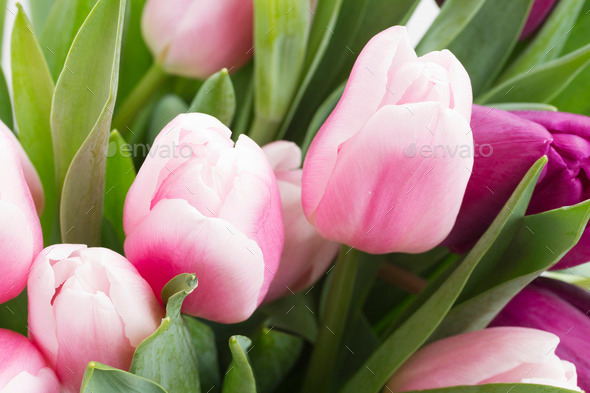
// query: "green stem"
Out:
[138,98]
[328,345]
[264,130]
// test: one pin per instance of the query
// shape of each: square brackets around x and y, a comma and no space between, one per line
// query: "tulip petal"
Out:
[45,381]
[17,354]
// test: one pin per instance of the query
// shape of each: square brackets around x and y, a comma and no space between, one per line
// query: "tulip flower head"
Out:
[88,304]
[306,255]
[494,355]
[22,367]
[388,169]
[20,233]
[209,207]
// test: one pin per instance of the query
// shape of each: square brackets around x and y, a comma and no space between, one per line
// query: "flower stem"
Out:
[328,345]
[154,77]
[264,130]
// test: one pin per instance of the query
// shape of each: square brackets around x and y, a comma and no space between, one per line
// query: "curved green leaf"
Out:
[167,108]
[168,356]
[39,12]
[5,104]
[33,91]
[216,97]
[203,339]
[239,377]
[81,118]
[436,300]
[99,378]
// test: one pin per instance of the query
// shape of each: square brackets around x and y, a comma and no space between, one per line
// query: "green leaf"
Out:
[524,106]
[549,41]
[167,108]
[203,339]
[436,300]
[62,25]
[39,12]
[120,174]
[280,38]
[216,98]
[3,8]
[99,378]
[339,32]
[136,59]
[575,97]
[321,116]
[480,33]
[33,91]
[543,83]
[239,377]
[80,121]
[273,355]
[293,314]
[5,104]
[541,241]
[498,388]
[168,356]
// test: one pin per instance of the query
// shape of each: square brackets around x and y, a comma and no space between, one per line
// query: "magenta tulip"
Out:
[22,367]
[374,177]
[201,205]
[494,355]
[507,146]
[198,38]
[306,255]
[558,308]
[539,12]
[88,304]
[20,233]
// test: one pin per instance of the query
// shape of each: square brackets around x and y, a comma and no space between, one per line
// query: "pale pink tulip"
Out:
[198,38]
[494,355]
[306,255]
[388,169]
[201,205]
[88,304]
[20,230]
[22,367]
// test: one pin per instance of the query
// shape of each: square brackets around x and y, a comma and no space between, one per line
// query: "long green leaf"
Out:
[39,12]
[99,378]
[203,339]
[120,174]
[480,33]
[62,25]
[216,97]
[541,84]
[3,4]
[33,91]
[239,377]
[498,388]
[81,118]
[437,300]
[168,356]
[548,42]
[5,104]
[280,38]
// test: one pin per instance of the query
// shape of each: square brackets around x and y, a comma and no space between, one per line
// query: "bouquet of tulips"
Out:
[297,196]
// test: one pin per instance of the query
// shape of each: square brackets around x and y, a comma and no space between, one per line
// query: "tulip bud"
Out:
[88,304]
[306,255]
[20,233]
[388,169]
[507,145]
[198,38]
[494,355]
[201,205]
[22,367]
[558,308]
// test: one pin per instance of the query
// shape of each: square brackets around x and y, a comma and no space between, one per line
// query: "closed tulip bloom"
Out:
[507,145]
[22,367]
[388,169]
[559,308]
[202,204]
[306,254]
[196,38]
[493,355]
[88,304]
[20,233]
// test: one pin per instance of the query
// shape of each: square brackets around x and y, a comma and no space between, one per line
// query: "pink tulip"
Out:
[20,233]
[306,255]
[388,169]
[88,304]
[198,38]
[22,367]
[494,355]
[201,205]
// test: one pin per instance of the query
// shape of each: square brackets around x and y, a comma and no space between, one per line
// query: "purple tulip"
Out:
[506,146]
[559,308]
